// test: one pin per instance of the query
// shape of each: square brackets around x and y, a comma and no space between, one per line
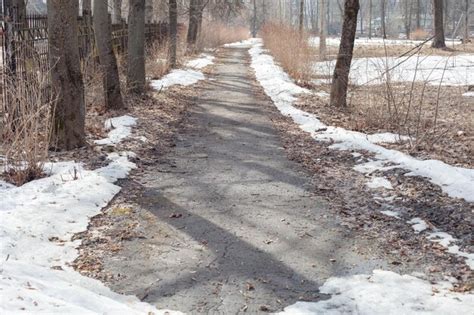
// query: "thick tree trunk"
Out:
[108,62]
[116,11]
[438,40]
[340,77]
[173,40]
[66,76]
[301,21]
[191,37]
[136,46]
[322,30]
[382,18]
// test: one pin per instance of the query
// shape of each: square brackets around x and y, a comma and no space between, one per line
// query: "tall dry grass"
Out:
[214,34]
[291,50]
[27,126]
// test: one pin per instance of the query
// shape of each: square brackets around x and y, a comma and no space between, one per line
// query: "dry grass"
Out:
[291,50]
[216,34]
[419,34]
[27,127]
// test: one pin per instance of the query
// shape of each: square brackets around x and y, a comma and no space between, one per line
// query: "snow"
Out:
[365,41]
[457,182]
[385,292]
[203,61]
[372,71]
[379,182]
[419,225]
[188,76]
[391,213]
[121,128]
[242,44]
[469,94]
[37,222]
[445,240]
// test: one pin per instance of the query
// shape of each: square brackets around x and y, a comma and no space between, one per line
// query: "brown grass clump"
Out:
[419,34]
[27,126]
[216,34]
[291,50]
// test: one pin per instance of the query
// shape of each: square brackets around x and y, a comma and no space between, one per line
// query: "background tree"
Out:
[340,77]
[173,40]
[196,8]
[301,19]
[108,62]
[136,46]
[382,18]
[116,11]
[466,21]
[322,30]
[66,76]
[438,40]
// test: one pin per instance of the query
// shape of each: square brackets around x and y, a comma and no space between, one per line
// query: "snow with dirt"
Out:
[37,223]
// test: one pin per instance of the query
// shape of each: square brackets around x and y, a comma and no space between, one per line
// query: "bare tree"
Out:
[322,29]
[438,40]
[370,19]
[195,19]
[108,62]
[116,11]
[136,46]
[418,14]
[173,40]
[466,22]
[66,76]
[382,18]
[254,19]
[340,77]
[301,21]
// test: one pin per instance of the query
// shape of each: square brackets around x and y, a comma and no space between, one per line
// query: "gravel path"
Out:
[232,224]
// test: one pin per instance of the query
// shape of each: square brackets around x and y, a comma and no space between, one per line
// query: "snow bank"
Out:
[419,225]
[385,292]
[186,76]
[379,182]
[455,181]
[121,128]
[407,69]
[37,222]
[365,41]
[469,94]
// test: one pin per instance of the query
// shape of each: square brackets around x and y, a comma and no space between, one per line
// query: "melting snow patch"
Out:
[391,213]
[121,128]
[203,61]
[418,225]
[445,240]
[183,77]
[469,94]
[385,292]
[457,182]
[379,182]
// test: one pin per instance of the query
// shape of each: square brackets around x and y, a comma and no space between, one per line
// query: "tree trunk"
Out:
[193,25]
[301,22]
[66,76]
[418,14]
[173,40]
[116,11]
[108,62]
[382,18]
[322,29]
[254,19]
[136,46]
[466,23]
[149,11]
[340,77]
[370,19]
[438,40]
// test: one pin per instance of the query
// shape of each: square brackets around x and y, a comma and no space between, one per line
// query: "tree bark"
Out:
[254,19]
[466,22]
[136,46]
[370,19]
[108,62]
[301,21]
[438,40]
[322,30]
[340,77]
[382,18]
[149,11]
[116,11]
[173,40]
[418,14]
[66,76]
[191,37]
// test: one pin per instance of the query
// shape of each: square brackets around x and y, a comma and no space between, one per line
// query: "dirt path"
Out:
[232,225]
